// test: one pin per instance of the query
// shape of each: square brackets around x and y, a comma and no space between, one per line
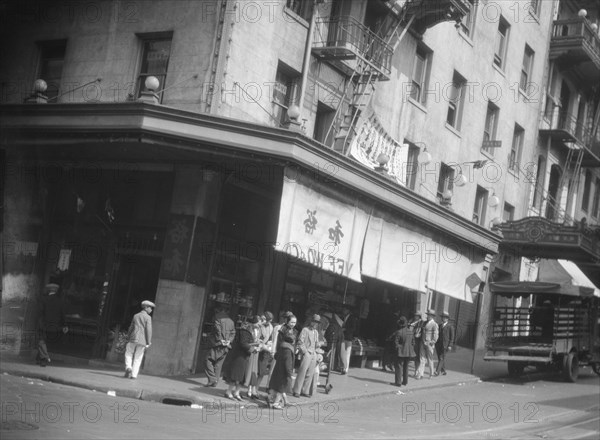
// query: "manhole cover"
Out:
[17,425]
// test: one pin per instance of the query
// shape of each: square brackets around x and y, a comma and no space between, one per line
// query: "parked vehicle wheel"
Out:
[571,367]
[515,369]
[596,368]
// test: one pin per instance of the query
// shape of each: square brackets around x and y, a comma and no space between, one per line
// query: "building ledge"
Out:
[140,131]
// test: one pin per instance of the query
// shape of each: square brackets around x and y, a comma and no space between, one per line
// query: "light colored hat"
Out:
[431,312]
[52,286]
[316,318]
[445,315]
[147,303]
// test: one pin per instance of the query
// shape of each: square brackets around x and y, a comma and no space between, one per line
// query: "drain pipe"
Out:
[307,53]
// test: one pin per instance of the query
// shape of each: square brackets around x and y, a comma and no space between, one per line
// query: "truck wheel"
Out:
[596,368]
[515,369]
[571,367]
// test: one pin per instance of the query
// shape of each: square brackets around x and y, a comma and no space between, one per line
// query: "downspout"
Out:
[307,53]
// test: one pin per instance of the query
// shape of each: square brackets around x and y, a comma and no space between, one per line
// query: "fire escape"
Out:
[365,55]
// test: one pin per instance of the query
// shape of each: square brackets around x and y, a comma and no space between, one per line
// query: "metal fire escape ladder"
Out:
[572,173]
[363,81]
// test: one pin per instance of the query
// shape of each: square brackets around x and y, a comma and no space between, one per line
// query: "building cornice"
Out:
[21,124]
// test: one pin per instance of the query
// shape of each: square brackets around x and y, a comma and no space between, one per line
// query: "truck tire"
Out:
[515,369]
[570,367]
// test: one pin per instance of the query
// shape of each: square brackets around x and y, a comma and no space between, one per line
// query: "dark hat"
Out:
[431,312]
[268,316]
[147,303]
[254,319]
[315,318]
[445,314]
[402,322]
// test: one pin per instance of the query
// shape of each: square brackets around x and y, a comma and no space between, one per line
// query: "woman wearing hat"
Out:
[280,381]
[236,363]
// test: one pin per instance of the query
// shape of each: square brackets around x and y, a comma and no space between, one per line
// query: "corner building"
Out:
[290,155]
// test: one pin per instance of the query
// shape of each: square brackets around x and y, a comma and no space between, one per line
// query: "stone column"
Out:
[180,302]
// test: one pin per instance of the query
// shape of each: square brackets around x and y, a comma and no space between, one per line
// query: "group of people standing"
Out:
[247,352]
[417,341]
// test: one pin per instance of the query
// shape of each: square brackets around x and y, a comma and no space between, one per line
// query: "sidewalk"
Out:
[189,390]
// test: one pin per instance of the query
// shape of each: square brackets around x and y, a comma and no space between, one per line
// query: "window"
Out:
[445,183]
[534,7]
[323,121]
[303,8]
[508,214]
[467,24]
[52,57]
[526,68]
[596,204]
[489,130]
[455,101]
[412,165]
[155,61]
[587,186]
[501,42]
[516,148]
[550,89]
[284,92]
[480,205]
[420,77]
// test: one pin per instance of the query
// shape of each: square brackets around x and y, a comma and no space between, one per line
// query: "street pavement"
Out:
[189,389]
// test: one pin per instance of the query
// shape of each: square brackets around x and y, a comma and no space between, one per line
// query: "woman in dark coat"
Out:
[281,378]
[234,370]
[403,343]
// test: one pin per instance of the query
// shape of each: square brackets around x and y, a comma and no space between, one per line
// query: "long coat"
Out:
[404,343]
[446,338]
[281,379]
[236,363]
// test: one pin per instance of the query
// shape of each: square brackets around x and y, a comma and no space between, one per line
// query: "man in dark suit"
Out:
[404,351]
[220,339]
[444,343]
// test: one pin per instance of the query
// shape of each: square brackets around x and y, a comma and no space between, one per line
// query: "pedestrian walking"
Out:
[444,343]
[429,337]
[265,356]
[139,339]
[404,351]
[51,322]
[219,340]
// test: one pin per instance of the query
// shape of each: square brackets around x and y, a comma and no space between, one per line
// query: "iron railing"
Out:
[577,31]
[347,32]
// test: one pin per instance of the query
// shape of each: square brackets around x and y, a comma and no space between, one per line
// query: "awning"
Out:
[560,277]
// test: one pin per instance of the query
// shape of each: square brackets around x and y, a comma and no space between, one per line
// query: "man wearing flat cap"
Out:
[308,343]
[51,322]
[429,337]
[140,338]
[444,343]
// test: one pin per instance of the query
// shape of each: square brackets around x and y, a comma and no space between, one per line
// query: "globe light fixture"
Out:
[447,194]
[495,222]
[152,83]
[493,201]
[461,180]
[425,157]
[383,159]
[40,86]
[293,112]
[582,13]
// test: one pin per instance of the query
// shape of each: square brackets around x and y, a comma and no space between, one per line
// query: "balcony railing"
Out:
[565,127]
[346,38]
[576,34]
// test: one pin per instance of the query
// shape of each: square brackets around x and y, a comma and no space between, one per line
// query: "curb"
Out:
[189,400]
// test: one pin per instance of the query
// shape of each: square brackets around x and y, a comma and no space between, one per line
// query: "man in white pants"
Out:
[140,338]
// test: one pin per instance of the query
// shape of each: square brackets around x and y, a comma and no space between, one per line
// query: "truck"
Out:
[544,325]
